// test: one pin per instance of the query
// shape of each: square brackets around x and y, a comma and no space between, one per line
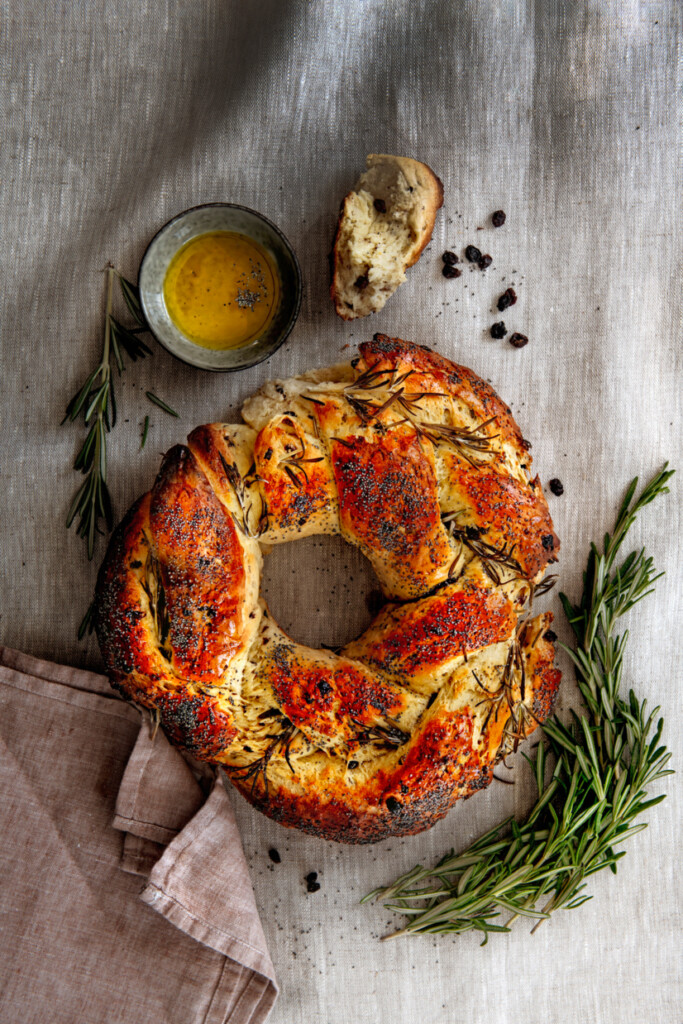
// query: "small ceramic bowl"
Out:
[199,221]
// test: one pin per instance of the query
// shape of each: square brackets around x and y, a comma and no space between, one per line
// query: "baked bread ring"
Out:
[418,462]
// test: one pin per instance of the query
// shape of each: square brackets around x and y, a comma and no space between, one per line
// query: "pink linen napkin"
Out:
[91,802]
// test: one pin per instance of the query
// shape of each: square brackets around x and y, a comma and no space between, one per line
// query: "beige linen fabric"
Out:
[78,945]
[119,114]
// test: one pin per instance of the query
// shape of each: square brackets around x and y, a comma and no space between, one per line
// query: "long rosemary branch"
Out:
[95,399]
[605,761]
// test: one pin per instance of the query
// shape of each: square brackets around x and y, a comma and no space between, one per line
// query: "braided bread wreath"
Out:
[418,462]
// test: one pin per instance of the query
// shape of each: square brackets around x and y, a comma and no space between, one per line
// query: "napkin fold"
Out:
[92,805]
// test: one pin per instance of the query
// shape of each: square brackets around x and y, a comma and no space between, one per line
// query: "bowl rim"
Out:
[296,305]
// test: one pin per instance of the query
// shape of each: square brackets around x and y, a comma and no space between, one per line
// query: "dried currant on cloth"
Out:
[508,298]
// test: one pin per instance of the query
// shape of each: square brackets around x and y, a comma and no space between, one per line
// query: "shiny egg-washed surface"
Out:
[416,461]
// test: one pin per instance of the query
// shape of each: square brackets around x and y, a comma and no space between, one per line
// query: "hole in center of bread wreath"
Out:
[418,463]
[320,590]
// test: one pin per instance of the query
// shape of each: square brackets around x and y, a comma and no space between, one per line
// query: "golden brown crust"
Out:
[416,641]
[431,372]
[297,482]
[202,569]
[507,515]
[135,643]
[440,767]
[127,650]
[418,462]
[388,505]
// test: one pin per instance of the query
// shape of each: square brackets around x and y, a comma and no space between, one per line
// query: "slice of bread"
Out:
[384,224]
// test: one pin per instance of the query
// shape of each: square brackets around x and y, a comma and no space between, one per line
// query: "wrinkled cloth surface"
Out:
[91,803]
[117,115]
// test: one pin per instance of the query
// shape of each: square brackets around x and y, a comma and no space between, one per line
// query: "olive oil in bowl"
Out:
[221,290]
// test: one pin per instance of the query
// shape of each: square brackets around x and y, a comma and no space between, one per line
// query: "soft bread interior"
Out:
[385,223]
[276,396]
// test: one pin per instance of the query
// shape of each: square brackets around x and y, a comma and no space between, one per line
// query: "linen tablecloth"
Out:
[117,116]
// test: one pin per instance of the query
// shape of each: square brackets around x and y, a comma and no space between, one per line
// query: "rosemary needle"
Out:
[162,405]
[87,622]
[605,761]
[145,431]
[132,299]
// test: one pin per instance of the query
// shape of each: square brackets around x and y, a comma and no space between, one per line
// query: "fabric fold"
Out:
[77,941]
[214,905]
[158,793]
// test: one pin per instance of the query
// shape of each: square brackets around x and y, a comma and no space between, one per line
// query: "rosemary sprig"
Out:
[469,442]
[238,483]
[492,559]
[95,399]
[503,698]
[605,762]
[294,465]
[280,746]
